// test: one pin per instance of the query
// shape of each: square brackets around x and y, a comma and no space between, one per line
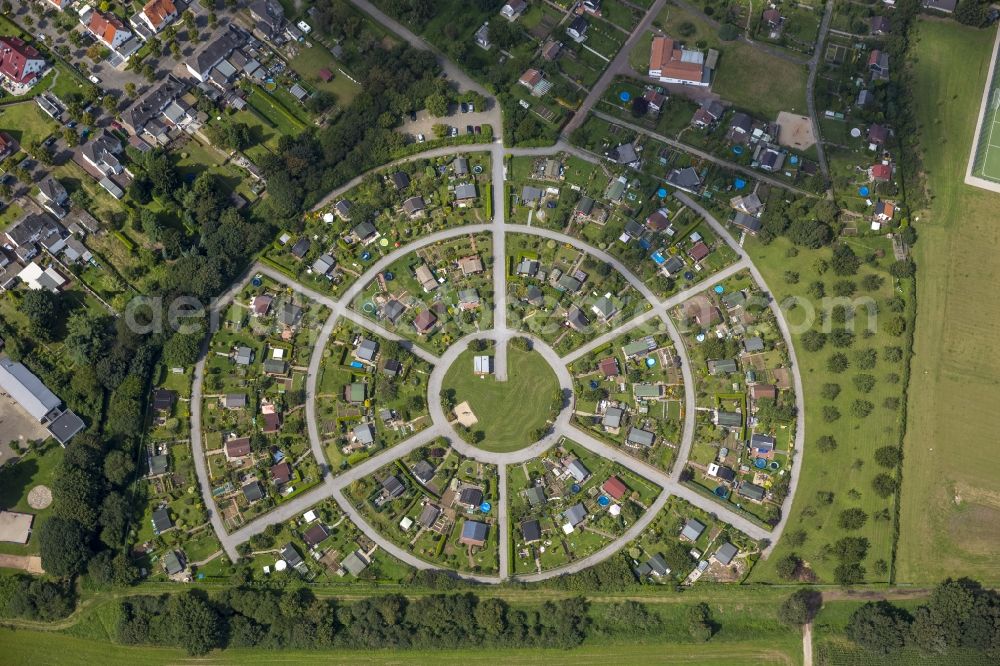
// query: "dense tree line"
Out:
[960,614]
[35,598]
[296,619]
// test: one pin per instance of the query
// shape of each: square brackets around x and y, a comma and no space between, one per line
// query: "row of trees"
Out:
[960,615]
[296,619]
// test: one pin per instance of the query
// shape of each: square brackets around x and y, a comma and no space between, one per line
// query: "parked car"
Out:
[420,138]
[472,109]
[454,131]
[413,115]
[93,79]
[468,129]
[465,107]
[479,129]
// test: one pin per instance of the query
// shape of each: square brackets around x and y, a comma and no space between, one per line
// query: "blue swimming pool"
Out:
[357,364]
[659,258]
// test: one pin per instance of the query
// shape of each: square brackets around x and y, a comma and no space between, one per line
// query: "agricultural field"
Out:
[510,415]
[949,500]
[444,514]
[633,382]
[546,495]
[368,386]
[436,294]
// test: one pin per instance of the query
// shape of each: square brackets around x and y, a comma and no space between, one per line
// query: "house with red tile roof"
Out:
[671,63]
[158,14]
[21,65]
[614,488]
[880,173]
[108,29]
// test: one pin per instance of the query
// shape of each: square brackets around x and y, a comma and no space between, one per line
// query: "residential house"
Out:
[269,19]
[400,180]
[708,114]
[158,14]
[880,26]
[772,21]
[163,400]
[392,311]
[161,520]
[210,54]
[468,299]
[281,473]
[108,29]
[535,496]
[753,345]
[301,248]
[577,470]
[234,400]
[669,62]
[751,491]
[260,305]
[747,203]
[423,471]
[878,65]
[291,556]
[470,497]
[460,166]
[531,531]
[880,173]
[424,322]
[426,278]
[528,267]
[243,355]
[315,535]
[428,515]
[576,319]
[275,367]
[769,157]
[470,265]
[762,446]
[38,278]
[343,209]
[366,350]
[604,308]
[100,155]
[763,391]
[877,136]
[725,554]
[624,154]
[943,6]
[355,563]
[289,314]
[609,367]
[364,434]
[614,488]
[721,472]
[699,251]
[574,515]
[747,223]
[392,487]
[883,211]
[722,366]
[702,312]
[530,195]
[21,65]
[465,193]
[551,50]
[151,114]
[740,126]
[655,100]
[474,533]
[52,192]
[33,230]
[612,419]
[577,29]
[535,81]
[639,348]
[482,37]
[8,145]
[323,265]
[692,530]
[237,448]
[639,438]
[414,206]
[686,179]
[512,9]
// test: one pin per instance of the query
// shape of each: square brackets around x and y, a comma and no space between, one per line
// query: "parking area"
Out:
[425,122]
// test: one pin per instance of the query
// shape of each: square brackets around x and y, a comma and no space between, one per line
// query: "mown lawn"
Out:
[26,122]
[951,492]
[308,63]
[510,411]
[38,467]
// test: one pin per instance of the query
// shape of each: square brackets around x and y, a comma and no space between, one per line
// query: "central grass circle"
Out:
[511,414]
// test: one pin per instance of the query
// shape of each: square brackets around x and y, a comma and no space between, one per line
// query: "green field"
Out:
[26,122]
[37,467]
[847,471]
[308,63]
[951,493]
[508,411]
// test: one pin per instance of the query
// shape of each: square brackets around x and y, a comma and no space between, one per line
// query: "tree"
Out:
[491,616]
[109,568]
[440,130]
[800,608]
[700,624]
[813,340]
[872,282]
[896,326]
[437,105]
[844,261]
[864,383]
[44,312]
[788,567]
[114,519]
[884,485]
[728,32]
[193,622]
[830,391]
[130,90]
[837,363]
[118,467]
[888,456]
[861,408]
[182,349]
[830,413]
[959,613]
[64,546]
[972,12]
[86,337]
[902,269]
[826,443]
[878,626]
[852,519]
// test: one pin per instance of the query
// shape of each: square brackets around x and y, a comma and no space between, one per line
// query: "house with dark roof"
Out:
[424,321]
[237,448]
[576,319]
[751,491]
[173,563]
[686,179]
[575,515]
[747,223]
[392,487]
[210,54]
[161,520]
[531,531]
[393,310]
[692,530]
[880,26]
[428,515]
[253,492]
[423,471]
[281,473]
[612,419]
[315,535]
[638,437]
[400,180]
[163,400]
[470,497]
[535,496]
[414,206]
[725,553]
[474,533]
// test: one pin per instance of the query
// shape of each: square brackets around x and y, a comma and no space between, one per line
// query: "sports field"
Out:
[986,159]
[950,518]
[508,412]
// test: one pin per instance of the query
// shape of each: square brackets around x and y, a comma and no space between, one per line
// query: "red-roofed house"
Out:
[609,367]
[158,14]
[699,251]
[108,29]
[656,100]
[60,4]
[21,65]
[880,173]
[8,145]
[658,220]
[614,488]
[670,63]
[325,74]
[281,473]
